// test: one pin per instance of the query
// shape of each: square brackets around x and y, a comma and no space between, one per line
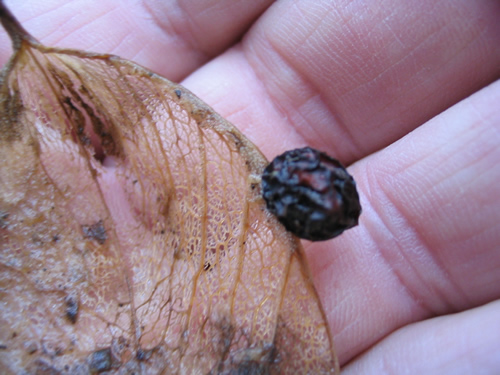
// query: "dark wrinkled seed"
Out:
[311,194]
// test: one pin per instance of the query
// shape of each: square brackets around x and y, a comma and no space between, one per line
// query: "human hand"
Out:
[354,81]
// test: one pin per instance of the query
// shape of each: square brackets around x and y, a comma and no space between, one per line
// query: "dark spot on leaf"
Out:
[10,110]
[95,231]
[255,361]
[143,355]
[31,347]
[199,115]
[178,93]
[3,219]
[100,361]
[72,307]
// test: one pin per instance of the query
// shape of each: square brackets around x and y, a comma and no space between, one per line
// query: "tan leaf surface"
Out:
[133,238]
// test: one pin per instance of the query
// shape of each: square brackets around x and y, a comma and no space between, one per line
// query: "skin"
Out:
[405,93]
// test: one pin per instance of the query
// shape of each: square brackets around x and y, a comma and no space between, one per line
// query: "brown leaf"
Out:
[133,234]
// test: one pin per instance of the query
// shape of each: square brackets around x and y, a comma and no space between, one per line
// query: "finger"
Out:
[465,343]
[170,37]
[351,78]
[427,243]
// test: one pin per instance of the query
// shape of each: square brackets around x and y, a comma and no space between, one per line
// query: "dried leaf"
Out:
[133,234]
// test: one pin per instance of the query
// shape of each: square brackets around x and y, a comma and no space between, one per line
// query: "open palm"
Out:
[406,93]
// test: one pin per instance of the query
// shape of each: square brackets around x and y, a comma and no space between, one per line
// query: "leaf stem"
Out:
[16,31]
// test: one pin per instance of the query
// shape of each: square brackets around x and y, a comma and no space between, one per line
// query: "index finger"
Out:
[351,78]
